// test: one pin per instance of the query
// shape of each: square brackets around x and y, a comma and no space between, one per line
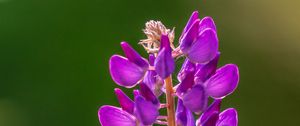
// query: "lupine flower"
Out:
[142,111]
[199,40]
[152,80]
[127,71]
[184,117]
[199,79]
[164,63]
[213,117]
[194,92]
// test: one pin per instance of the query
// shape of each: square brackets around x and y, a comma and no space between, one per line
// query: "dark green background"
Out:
[54,55]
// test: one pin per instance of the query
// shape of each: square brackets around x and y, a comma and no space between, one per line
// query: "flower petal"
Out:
[152,80]
[125,102]
[184,117]
[145,111]
[187,67]
[164,63]
[195,99]
[207,22]
[151,59]
[205,48]
[205,71]
[193,18]
[186,84]
[148,94]
[124,72]
[228,117]
[223,82]
[214,108]
[133,56]
[113,116]
[190,36]
[211,121]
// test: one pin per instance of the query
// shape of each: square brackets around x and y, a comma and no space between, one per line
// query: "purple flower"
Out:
[143,110]
[184,117]
[114,116]
[152,80]
[127,72]
[164,63]
[213,117]
[199,79]
[195,88]
[199,41]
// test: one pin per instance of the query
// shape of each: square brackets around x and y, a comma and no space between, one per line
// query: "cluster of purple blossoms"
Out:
[199,79]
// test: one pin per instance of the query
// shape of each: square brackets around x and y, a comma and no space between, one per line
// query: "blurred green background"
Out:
[54,55]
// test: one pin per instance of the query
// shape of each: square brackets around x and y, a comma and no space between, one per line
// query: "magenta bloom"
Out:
[199,40]
[213,117]
[127,71]
[200,79]
[141,111]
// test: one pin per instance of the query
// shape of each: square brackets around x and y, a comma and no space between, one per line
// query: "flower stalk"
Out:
[170,101]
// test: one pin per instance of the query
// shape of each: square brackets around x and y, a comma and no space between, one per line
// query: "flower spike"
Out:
[198,81]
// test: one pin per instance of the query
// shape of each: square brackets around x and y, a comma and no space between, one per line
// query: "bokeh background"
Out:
[54,55]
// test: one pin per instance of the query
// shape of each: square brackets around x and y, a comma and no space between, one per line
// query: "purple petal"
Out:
[195,99]
[207,22]
[145,111]
[184,117]
[186,84]
[133,56]
[124,72]
[150,77]
[165,43]
[125,102]
[205,71]
[190,36]
[113,116]
[164,63]
[148,94]
[223,82]
[187,67]
[228,117]
[151,59]
[152,80]
[193,18]
[211,121]
[205,48]
[209,113]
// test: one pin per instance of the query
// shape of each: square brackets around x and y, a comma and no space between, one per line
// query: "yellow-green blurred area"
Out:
[54,55]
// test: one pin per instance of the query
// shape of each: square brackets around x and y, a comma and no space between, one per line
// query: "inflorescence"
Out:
[199,79]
